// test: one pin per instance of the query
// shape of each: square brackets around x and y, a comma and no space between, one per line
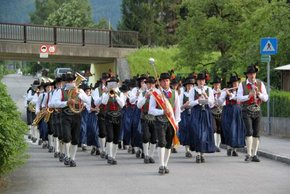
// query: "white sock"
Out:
[56,144]
[61,147]
[249,142]
[33,129]
[66,149]
[114,150]
[218,140]
[186,148]
[102,143]
[37,134]
[215,139]
[152,149]
[167,155]
[50,140]
[110,149]
[145,148]
[198,153]
[256,143]
[161,153]
[229,147]
[73,151]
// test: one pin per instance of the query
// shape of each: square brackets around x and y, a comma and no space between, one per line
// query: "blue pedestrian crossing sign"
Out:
[269,46]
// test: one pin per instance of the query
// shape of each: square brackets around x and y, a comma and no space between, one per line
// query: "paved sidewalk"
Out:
[275,148]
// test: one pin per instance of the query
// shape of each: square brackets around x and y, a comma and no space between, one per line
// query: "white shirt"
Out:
[222,98]
[194,102]
[39,101]
[242,98]
[57,98]
[120,99]
[157,112]
[133,95]
[96,96]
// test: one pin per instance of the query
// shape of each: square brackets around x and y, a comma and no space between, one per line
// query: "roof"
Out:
[284,67]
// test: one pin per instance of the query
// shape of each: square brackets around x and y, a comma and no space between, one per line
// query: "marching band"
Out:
[144,114]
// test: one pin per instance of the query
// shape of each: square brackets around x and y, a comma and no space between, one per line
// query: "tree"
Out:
[155,20]
[72,13]
[43,9]
[211,26]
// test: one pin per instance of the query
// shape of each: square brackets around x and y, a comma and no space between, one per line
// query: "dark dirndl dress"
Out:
[83,131]
[201,131]
[233,126]
[92,130]
[126,123]
[184,124]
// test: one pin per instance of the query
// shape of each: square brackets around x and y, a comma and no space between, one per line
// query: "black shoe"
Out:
[44,145]
[248,158]
[166,170]
[66,161]
[198,159]
[229,152]
[50,149]
[40,142]
[114,161]
[109,160]
[56,154]
[29,136]
[72,163]
[255,159]
[124,147]
[235,153]
[120,145]
[103,154]
[93,151]
[142,155]
[98,152]
[84,148]
[106,156]
[130,150]
[61,157]
[146,160]
[173,150]
[138,154]
[188,155]
[202,159]
[151,160]
[133,151]
[33,139]
[161,170]
[217,149]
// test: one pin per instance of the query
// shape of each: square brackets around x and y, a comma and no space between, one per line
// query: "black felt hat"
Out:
[234,77]
[124,88]
[105,75]
[113,79]
[216,80]
[251,69]
[70,76]
[35,83]
[141,77]
[189,80]
[201,76]
[164,76]
[150,80]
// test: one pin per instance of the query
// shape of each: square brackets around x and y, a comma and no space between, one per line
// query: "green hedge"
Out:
[279,104]
[12,130]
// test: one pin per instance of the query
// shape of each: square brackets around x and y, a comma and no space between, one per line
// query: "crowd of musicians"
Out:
[143,115]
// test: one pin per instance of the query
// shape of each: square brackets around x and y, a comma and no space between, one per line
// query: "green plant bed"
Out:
[279,104]
[12,130]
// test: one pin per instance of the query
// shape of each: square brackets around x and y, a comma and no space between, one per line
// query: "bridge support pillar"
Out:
[98,69]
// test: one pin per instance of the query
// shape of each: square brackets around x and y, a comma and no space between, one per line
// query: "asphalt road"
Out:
[220,174]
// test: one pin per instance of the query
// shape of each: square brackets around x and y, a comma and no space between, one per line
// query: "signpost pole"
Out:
[268,102]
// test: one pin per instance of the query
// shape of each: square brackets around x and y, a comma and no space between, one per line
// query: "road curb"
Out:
[265,154]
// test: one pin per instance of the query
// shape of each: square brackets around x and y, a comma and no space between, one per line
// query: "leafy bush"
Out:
[279,104]
[12,130]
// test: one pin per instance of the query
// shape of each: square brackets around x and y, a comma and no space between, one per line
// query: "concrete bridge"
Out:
[103,49]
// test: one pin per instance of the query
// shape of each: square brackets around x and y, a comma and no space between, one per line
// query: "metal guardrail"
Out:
[59,35]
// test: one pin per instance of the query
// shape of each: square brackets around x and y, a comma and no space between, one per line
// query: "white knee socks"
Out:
[161,153]
[114,150]
[256,142]
[152,149]
[110,149]
[66,149]
[102,143]
[167,155]
[73,151]
[145,148]
[249,142]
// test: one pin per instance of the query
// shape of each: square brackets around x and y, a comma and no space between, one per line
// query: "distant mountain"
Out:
[17,11]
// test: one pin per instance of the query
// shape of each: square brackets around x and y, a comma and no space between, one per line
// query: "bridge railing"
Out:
[67,35]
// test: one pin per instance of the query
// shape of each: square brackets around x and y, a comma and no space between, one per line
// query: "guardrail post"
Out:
[110,39]
[24,34]
[54,35]
[83,37]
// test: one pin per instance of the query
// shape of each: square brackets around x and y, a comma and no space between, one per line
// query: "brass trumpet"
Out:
[31,107]
[112,93]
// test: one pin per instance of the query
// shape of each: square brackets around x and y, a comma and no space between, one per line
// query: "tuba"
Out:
[73,93]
